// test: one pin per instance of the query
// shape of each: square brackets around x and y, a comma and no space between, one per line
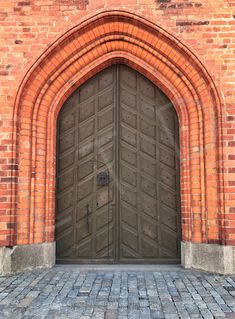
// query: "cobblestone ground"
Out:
[72,293]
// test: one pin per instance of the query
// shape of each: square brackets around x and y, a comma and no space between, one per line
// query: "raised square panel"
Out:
[147,109]
[166,137]
[129,239]
[169,242]
[129,196]
[67,142]
[129,118]
[105,138]
[67,122]
[86,110]
[86,130]
[63,243]
[166,119]
[148,147]
[105,119]
[85,169]
[66,160]
[162,99]
[105,156]
[149,249]
[102,217]
[147,88]
[85,149]
[102,197]
[128,175]
[66,180]
[168,177]
[65,201]
[87,90]
[83,230]
[169,218]
[101,241]
[84,250]
[148,166]
[129,216]
[129,136]
[64,221]
[148,129]
[71,103]
[167,157]
[84,210]
[105,99]
[128,78]
[149,229]
[84,189]
[148,187]
[128,99]
[148,206]
[106,79]
[168,198]
[129,155]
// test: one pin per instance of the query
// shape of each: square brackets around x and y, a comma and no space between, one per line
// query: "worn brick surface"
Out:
[189,51]
[73,293]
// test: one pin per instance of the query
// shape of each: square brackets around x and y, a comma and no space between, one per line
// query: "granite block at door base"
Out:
[208,257]
[25,257]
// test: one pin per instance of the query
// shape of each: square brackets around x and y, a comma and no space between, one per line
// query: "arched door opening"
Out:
[99,41]
[118,189]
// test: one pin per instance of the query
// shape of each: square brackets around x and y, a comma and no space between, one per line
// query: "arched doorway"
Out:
[118,190]
[97,42]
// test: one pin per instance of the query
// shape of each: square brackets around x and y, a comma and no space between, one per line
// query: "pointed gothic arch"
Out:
[98,42]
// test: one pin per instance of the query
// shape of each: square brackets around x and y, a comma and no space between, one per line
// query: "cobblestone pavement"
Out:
[73,292]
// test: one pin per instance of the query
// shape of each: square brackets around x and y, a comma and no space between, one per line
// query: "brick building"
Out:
[117,132]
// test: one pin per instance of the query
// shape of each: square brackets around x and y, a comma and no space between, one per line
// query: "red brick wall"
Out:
[190,54]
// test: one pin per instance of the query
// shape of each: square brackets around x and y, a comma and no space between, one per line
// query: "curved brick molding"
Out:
[102,40]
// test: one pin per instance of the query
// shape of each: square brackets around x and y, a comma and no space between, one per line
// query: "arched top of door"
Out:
[118,36]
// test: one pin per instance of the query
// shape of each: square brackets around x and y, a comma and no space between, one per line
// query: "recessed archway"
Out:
[98,42]
[118,189]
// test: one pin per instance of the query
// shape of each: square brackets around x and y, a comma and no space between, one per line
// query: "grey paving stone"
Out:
[206,314]
[73,293]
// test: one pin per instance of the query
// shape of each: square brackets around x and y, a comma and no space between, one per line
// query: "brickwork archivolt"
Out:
[98,42]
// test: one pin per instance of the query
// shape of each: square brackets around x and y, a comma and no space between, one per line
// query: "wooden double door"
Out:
[118,196]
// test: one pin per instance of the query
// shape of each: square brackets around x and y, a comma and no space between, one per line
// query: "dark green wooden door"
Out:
[118,172]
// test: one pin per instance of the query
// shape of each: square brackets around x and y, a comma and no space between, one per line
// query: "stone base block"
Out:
[26,257]
[208,257]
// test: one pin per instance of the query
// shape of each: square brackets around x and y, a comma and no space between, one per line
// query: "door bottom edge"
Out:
[119,262]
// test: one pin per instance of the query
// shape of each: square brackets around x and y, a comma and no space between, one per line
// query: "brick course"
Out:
[49,48]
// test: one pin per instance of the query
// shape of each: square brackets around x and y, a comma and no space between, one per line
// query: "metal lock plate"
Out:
[103,178]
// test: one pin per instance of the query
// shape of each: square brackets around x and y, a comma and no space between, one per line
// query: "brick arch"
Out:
[98,42]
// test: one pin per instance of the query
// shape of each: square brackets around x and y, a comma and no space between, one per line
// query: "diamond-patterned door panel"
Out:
[149,185]
[85,148]
[121,124]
